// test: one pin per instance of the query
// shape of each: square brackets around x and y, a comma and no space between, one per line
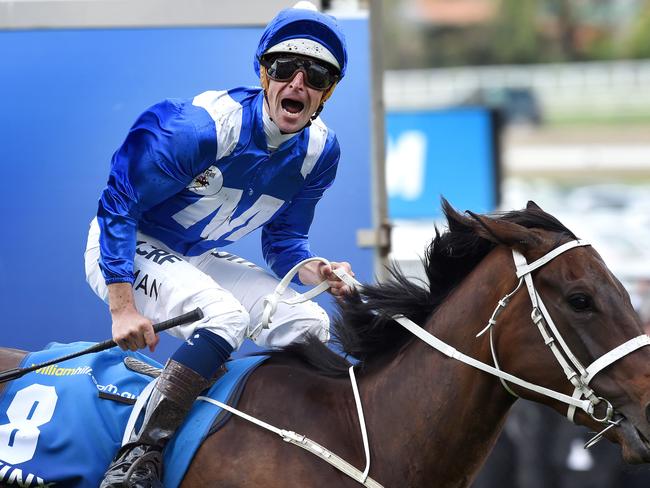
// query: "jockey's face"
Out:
[291,103]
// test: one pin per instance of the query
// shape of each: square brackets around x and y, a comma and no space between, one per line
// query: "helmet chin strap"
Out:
[264,81]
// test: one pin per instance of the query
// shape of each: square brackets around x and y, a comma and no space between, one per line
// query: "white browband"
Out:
[521,271]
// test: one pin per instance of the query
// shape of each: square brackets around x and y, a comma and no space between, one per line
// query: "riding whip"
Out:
[186,318]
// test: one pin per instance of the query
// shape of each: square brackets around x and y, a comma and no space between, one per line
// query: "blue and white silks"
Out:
[197,175]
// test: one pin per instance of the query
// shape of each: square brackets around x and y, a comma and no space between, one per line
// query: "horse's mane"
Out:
[363,333]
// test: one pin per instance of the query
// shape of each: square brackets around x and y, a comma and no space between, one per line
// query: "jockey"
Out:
[195,175]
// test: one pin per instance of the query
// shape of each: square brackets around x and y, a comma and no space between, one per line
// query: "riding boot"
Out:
[138,464]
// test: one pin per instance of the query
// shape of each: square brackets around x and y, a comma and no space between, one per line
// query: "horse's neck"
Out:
[10,358]
[437,414]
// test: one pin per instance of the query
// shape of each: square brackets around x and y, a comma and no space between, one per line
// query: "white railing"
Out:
[592,86]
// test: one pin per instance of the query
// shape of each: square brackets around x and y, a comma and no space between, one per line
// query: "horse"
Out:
[432,420]
[9,358]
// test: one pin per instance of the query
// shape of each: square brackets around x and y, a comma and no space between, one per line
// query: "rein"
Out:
[270,305]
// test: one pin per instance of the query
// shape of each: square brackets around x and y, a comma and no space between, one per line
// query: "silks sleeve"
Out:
[285,237]
[159,158]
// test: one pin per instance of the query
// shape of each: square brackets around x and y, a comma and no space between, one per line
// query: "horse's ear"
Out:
[503,232]
[533,206]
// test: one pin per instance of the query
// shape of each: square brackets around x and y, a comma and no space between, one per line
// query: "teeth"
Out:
[290,113]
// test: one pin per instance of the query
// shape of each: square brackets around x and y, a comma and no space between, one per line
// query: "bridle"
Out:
[583,396]
[576,373]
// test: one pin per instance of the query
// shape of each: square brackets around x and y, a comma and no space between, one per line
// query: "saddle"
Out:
[203,420]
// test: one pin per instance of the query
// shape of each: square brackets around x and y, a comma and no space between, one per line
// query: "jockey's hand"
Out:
[131,330]
[315,272]
[338,288]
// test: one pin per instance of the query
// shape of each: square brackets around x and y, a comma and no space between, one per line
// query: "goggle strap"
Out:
[264,79]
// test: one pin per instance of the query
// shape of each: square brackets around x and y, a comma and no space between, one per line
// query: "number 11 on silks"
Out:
[32,407]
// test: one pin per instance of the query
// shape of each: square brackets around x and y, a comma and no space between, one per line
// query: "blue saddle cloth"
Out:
[55,428]
[205,418]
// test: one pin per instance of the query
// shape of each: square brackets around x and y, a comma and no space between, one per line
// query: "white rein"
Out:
[270,305]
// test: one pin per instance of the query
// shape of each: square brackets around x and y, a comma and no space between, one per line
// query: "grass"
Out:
[638,118]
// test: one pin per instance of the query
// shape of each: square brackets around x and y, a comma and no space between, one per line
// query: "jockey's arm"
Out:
[151,165]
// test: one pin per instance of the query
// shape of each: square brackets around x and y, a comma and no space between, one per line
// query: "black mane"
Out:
[363,333]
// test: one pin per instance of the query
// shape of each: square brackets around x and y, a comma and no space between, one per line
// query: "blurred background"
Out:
[568,82]
[489,103]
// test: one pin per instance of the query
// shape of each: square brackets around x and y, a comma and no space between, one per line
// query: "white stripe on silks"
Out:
[227,115]
[317,139]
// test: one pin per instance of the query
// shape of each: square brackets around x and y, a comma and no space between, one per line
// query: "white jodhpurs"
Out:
[228,289]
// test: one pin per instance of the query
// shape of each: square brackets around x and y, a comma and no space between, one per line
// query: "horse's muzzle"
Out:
[634,443]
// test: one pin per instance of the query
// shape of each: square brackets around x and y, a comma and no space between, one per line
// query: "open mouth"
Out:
[292,106]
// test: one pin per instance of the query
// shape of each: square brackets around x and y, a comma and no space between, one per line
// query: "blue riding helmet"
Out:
[304,24]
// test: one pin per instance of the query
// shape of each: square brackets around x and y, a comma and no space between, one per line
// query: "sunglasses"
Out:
[318,75]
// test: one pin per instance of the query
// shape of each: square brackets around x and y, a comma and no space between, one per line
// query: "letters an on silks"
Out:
[150,288]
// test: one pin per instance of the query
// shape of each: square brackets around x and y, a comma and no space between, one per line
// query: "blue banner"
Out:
[448,153]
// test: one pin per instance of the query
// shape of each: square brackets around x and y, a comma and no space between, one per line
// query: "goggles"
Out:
[317,74]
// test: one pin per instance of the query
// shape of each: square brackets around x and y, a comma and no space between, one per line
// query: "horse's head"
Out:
[589,317]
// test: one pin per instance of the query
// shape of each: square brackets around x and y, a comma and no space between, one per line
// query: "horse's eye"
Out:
[580,302]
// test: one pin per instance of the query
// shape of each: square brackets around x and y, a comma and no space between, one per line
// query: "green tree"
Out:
[514,35]
[638,45]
